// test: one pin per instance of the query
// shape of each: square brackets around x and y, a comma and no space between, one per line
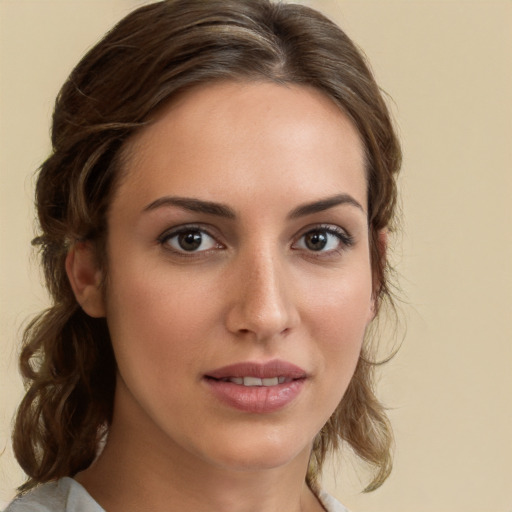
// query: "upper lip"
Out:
[267,370]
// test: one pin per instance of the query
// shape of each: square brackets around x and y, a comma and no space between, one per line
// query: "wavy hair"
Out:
[148,58]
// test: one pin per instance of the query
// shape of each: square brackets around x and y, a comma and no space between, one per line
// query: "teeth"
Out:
[252,381]
[256,381]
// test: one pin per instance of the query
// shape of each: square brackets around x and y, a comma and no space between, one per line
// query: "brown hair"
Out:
[153,54]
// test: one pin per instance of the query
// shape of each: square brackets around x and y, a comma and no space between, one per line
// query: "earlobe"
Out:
[85,278]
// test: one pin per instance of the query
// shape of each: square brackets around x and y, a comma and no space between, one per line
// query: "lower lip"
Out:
[256,399]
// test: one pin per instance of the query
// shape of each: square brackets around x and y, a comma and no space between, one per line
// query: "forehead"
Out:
[240,135]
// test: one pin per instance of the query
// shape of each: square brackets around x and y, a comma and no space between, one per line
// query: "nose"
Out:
[262,304]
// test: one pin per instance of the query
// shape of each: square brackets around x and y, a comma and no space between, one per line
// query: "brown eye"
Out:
[324,240]
[316,241]
[189,240]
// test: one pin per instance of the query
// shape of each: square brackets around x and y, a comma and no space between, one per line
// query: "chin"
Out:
[263,452]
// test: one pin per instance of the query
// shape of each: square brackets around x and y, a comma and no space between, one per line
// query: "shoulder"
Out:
[67,495]
[331,504]
[64,495]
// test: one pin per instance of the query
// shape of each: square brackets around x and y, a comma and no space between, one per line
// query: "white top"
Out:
[67,495]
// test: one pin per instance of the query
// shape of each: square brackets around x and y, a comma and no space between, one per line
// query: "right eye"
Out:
[188,240]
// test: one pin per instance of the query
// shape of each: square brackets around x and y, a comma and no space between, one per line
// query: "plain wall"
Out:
[447,66]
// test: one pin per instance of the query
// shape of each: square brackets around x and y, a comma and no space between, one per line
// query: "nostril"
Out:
[261,310]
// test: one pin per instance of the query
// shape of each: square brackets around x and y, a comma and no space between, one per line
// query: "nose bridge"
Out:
[262,304]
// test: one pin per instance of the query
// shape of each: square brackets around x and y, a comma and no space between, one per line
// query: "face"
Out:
[239,285]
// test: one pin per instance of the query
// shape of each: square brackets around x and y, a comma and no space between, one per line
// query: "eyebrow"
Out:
[222,210]
[324,204]
[193,205]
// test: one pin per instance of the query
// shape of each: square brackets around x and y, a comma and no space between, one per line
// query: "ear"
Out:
[85,278]
[382,247]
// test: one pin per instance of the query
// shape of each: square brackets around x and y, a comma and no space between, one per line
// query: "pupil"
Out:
[316,241]
[190,241]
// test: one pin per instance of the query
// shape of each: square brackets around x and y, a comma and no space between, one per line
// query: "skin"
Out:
[253,291]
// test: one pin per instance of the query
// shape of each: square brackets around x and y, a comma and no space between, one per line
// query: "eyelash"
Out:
[164,239]
[345,240]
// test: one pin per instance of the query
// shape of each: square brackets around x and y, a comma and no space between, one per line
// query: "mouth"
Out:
[257,387]
[250,381]
[258,374]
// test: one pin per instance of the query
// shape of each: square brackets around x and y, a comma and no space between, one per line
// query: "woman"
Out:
[213,231]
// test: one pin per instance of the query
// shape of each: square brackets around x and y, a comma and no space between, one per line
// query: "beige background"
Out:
[447,66]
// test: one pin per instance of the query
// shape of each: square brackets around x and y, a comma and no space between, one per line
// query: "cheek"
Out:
[341,308]
[337,318]
[154,321]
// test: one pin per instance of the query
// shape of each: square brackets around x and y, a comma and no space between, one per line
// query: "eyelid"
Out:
[346,240]
[184,228]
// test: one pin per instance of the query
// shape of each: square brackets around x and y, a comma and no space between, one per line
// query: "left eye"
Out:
[189,240]
[322,240]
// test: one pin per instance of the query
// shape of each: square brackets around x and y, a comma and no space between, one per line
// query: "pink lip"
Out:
[268,370]
[257,399]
